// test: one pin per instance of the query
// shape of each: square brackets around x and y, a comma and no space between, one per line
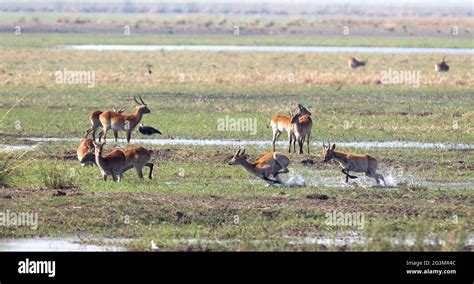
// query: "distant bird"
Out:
[153,245]
[147,130]
[149,68]
[442,66]
[354,63]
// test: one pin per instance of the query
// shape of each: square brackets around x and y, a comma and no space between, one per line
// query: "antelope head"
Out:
[328,151]
[238,157]
[301,111]
[98,148]
[141,106]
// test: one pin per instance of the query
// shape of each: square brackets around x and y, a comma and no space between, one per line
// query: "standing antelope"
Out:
[441,66]
[302,125]
[353,162]
[116,162]
[138,157]
[280,123]
[85,152]
[270,164]
[110,164]
[95,122]
[354,63]
[117,121]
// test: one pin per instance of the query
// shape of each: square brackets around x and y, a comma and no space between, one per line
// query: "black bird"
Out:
[147,130]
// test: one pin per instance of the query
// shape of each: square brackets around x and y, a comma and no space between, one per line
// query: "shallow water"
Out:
[346,238]
[15,148]
[52,244]
[261,143]
[267,48]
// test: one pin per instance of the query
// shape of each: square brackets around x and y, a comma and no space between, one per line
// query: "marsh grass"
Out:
[7,162]
[55,176]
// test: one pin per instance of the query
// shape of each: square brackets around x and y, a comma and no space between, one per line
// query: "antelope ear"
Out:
[333,146]
[300,105]
[246,157]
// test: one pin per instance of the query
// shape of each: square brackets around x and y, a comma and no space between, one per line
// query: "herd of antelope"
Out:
[267,167]
[297,126]
[117,161]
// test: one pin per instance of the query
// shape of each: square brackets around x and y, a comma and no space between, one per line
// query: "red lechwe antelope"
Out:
[354,63]
[442,66]
[121,122]
[110,164]
[85,152]
[279,124]
[270,164]
[95,122]
[302,125]
[353,162]
[116,162]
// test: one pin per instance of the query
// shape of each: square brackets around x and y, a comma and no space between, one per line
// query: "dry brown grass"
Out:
[206,68]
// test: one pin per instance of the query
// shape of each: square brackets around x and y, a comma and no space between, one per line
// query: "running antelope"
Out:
[353,162]
[270,164]
[354,63]
[85,152]
[95,122]
[302,125]
[120,122]
[116,162]
[441,66]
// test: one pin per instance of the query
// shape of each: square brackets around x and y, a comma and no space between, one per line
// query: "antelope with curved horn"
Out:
[120,122]
[270,164]
[302,125]
[95,122]
[354,63]
[353,162]
[442,66]
[85,152]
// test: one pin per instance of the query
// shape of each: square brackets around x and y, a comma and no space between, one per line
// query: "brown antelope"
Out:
[95,122]
[302,125]
[111,164]
[442,66]
[120,122]
[138,157]
[116,162]
[353,162]
[354,63]
[85,152]
[279,124]
[270,164]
